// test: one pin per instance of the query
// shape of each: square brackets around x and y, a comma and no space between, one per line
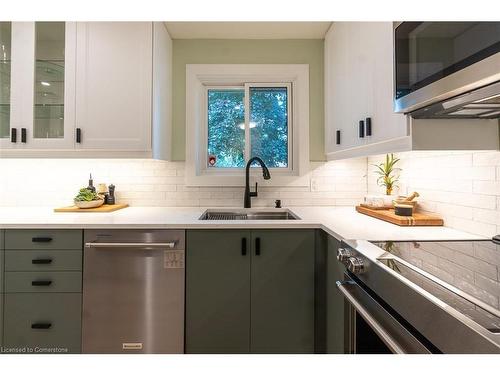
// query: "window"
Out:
[237,111]
[239,129]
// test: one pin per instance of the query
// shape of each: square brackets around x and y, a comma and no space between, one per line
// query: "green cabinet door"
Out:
[217,291]
[335,306]
[282,291]
[43,322]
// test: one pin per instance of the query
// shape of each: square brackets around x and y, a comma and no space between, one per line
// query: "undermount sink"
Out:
[248,215]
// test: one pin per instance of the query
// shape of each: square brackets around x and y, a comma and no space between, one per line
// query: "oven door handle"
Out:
[343,287]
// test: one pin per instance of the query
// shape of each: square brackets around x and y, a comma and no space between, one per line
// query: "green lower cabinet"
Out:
[335,304]
[282,291]
[250,291]
[217,291]
[42,285]
[42,322]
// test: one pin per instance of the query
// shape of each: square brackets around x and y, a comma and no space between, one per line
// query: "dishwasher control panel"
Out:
[173,259]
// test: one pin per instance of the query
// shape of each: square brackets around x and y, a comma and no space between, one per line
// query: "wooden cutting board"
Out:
[103,208]
[417,219]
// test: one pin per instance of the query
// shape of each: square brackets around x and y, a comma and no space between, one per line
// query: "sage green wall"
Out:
[234,51]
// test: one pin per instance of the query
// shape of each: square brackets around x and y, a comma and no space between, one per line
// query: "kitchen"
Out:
[263,188]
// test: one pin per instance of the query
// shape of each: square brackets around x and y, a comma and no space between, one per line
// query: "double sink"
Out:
[248,215]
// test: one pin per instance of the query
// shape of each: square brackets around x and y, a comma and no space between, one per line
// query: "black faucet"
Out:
[265,173]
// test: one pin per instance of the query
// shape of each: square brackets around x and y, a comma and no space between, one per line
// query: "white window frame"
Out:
[202,77]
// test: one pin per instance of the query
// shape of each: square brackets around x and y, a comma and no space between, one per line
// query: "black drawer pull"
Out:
[41,282]
[78,135]
[257,246]
[23,135]
[41,261]
[243,246]
[13,135]
[361,129]
[368,123]
[41,325]
[41,239]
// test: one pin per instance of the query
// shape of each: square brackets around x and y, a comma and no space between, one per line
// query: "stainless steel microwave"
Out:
[447,69]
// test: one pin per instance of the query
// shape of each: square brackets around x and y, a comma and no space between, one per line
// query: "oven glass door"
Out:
[428,51]
[372,328]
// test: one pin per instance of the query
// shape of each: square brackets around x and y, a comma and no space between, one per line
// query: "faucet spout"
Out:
[265,172]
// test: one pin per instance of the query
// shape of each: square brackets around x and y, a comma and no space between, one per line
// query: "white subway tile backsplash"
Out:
[461,186]
[487,187]
[486,158]
[51,182]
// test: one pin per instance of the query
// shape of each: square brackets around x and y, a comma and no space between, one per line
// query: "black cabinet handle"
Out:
[23,135]
[41,282]
[41,239]
[13,135]
[337,138]
[78,135]
[41,261]
[257,246]
[368,123]
[243,246]
[41,325]
[361,129]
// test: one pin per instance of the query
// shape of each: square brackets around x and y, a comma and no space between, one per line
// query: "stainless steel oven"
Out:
[407,296]
[438,61]
[372,328]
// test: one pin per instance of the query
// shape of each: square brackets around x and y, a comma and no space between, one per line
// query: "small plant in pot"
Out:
[386,171]
[87,198]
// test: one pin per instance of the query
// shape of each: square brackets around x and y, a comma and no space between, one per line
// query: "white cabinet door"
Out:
[338,90]
[52,95]
[42,85]
[358,85]
[348,85]
[20,74]
[113,80]
[386,124]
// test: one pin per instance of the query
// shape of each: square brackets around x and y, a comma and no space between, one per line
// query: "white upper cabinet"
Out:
[113,85]
[92,89]
[359,85]
[38,85]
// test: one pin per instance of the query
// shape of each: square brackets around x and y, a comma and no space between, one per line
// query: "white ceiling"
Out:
[247,30]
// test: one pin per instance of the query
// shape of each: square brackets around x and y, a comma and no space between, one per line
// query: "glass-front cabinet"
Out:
[37,97]
[5,64]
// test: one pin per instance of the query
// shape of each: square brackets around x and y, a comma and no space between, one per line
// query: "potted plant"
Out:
[386,171]
[87,198]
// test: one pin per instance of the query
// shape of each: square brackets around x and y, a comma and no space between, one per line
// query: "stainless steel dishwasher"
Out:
[133,291]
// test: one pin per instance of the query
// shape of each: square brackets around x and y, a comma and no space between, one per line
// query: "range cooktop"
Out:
[465,275]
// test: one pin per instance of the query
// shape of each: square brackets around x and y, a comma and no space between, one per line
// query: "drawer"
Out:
[41,320]
[43,282]
[43,260]
[56,239]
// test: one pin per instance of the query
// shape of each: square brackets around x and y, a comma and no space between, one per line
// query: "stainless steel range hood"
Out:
[482,103]
[447,69]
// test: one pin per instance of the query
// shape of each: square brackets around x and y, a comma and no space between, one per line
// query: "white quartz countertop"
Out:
[342,222]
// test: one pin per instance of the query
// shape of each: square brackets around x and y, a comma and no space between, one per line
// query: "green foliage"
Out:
[86,195]
[269,137]
[386,170]
[226,140]
[268,126]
